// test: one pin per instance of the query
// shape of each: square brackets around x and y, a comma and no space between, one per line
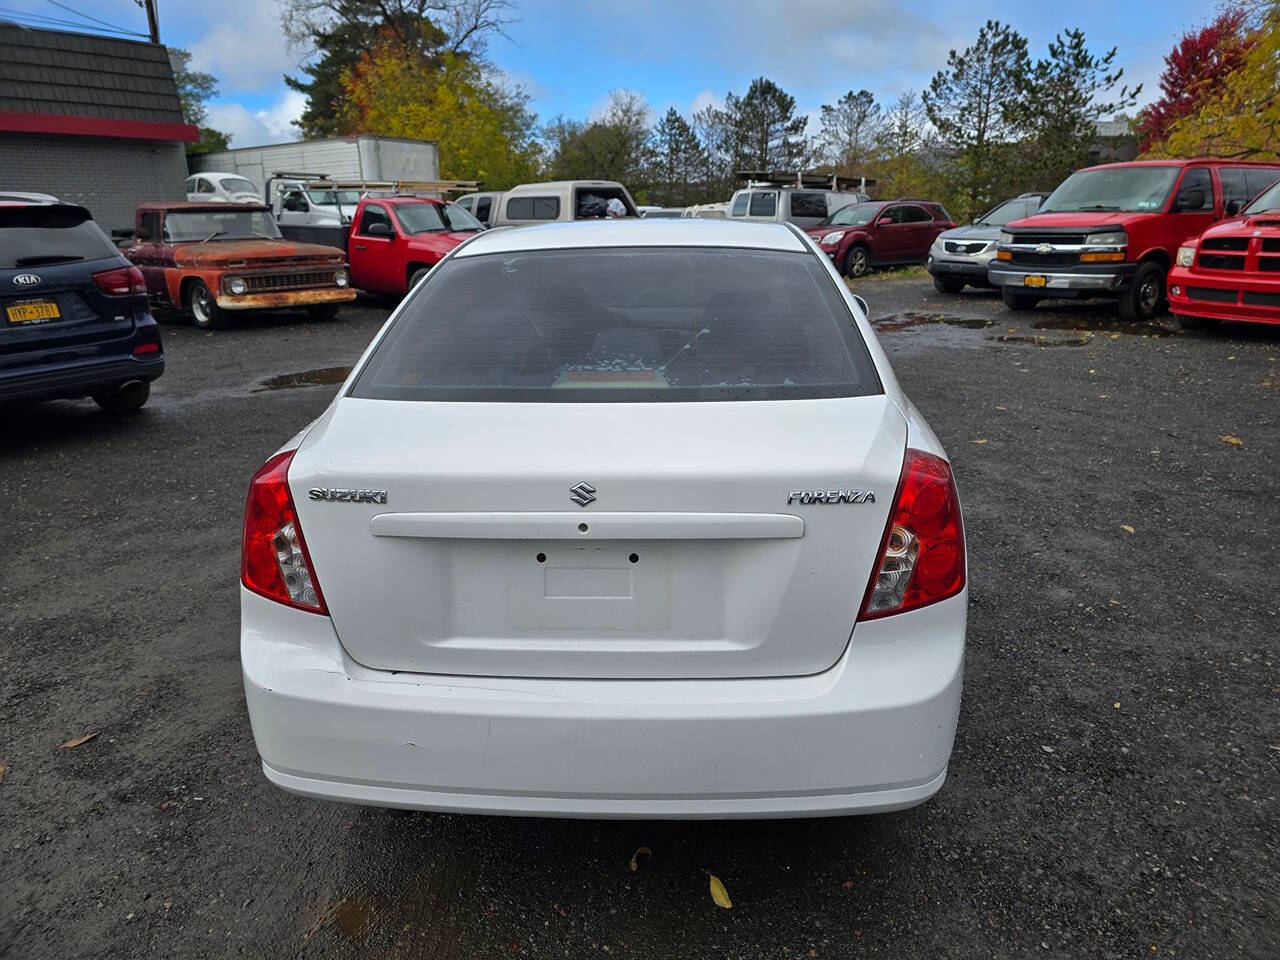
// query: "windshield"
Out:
[625,325]
[1008,212]
[34,235]
[180,227]
[238,185]
[428,217]
[854,215]
[329,198]
[1266,201]
[1132,189]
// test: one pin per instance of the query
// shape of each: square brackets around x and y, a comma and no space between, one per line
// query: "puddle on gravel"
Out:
[1151,328]
[1041,341]
[912,318]
[307,378]
[352,916]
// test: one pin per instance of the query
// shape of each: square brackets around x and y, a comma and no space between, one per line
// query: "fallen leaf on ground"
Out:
[75,742]
[1232,357]
[847,885]
[635,856]
[983,440]
[998,407]
[1046,748]
[3,768]
[1234,441]
[1116,705]
[719,894]
[1126,528]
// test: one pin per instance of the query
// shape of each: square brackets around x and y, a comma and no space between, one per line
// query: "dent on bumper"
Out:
[285,299]
[873,733]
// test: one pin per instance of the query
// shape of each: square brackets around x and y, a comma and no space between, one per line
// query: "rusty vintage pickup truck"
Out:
[213,259]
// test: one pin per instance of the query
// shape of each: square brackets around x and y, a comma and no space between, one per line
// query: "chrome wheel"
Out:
[857,262]
[1149,295]
[204,308]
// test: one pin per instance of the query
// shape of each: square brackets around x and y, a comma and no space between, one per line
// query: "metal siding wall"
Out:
[110,177]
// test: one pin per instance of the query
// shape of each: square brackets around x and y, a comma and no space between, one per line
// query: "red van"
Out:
[1114,230]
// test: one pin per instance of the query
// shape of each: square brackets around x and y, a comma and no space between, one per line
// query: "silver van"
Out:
[803,206]
[559,200]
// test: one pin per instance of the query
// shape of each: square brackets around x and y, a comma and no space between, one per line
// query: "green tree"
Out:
[484,130]
[337,33]
[614,147]
[679,162]
[850,128]
[766,133]
[969,103]
[1058,106]
[195,90]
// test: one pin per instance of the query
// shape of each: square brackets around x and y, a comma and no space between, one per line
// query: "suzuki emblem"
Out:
[582,493]
[25,280]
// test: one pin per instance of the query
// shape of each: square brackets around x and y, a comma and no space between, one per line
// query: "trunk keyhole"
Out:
[582,528]
[634,558]
[542,558]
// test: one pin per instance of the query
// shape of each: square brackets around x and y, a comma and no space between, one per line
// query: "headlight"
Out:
[341,278]
[1005,237]
[1186,256]
[1117,239]
[237,286]
[834,237]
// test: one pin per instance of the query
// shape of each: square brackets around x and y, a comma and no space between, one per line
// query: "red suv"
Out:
[880,233]
[1114,230]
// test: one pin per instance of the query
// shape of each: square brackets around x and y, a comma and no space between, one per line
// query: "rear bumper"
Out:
[1224,298]
[871,734]
[1106,279]
[76,379]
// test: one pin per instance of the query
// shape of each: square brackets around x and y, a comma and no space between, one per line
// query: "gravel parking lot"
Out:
[1113,791]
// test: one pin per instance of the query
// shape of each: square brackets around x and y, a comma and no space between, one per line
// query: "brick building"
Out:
[92,120]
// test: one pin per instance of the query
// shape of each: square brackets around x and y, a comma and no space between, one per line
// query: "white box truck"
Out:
[280,171]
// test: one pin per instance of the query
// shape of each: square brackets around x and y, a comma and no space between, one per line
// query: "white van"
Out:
[221,188]
[803,206]
[560,200]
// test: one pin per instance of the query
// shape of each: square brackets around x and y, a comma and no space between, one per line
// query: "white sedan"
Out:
[612,519]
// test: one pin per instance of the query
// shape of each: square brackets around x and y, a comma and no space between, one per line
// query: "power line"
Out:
[24,18]
[86,16]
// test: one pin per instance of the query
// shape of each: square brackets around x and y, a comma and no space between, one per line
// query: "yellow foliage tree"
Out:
[1242,120]
[483,131]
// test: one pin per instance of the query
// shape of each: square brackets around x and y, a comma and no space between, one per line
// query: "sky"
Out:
[570,55]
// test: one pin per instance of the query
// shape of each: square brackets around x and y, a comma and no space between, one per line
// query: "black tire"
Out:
[124,397]
[857,262]
[1145,297]
[1018,301]
[322,312]
[947,284]
[1196,323]
[203,308]
[416,276]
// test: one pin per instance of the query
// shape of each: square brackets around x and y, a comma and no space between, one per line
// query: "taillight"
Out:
[273,557]
[121,282]
[922,557]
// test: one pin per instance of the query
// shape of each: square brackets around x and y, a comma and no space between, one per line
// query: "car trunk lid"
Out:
[597,539]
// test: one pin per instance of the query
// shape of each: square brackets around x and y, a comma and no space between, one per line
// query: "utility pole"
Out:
[153,19]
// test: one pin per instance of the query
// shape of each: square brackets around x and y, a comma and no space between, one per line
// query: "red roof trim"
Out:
[13,122]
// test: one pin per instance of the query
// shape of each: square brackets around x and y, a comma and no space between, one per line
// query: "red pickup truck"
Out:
[394,241]
[1114,230]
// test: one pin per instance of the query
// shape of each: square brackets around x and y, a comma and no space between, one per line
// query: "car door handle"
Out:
[361,246]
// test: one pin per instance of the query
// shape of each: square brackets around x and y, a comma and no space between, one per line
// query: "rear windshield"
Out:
[635,325]
[32,235]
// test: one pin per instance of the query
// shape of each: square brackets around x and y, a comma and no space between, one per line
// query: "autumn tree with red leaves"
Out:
[1195,70]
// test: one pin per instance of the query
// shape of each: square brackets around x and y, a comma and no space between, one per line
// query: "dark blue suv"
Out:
[73,311]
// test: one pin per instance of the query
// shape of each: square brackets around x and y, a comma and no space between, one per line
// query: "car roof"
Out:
[561,184]
[633,232]
[183,205]
[1184,162]
[402,199]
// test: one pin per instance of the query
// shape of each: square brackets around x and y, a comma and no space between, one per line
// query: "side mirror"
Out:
[1191,199]
[296,205]
[884,222]
[380,230]
[1233,207]
[862,305]
[142,233]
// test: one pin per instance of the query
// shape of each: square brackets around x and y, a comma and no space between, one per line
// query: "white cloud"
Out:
[707,98]
[252,128]
[243,46]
